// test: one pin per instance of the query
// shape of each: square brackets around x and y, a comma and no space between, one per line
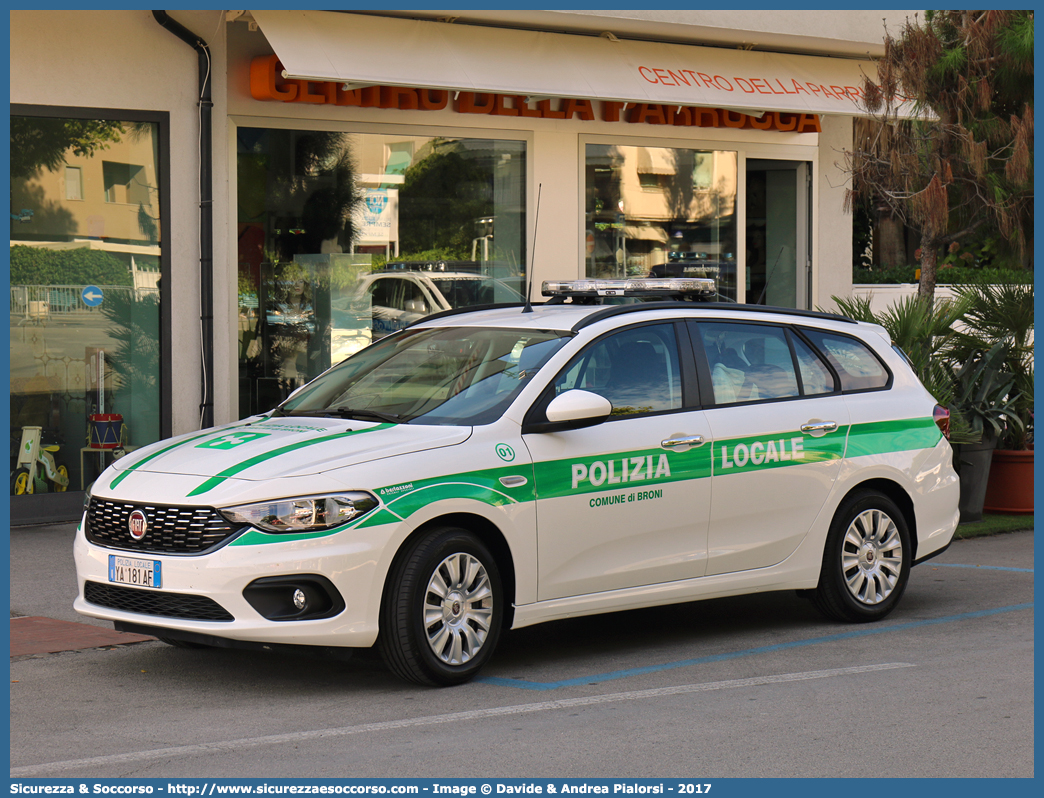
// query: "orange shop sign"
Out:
[267,84]
[747,85]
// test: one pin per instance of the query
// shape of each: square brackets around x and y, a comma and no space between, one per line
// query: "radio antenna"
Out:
[532,254]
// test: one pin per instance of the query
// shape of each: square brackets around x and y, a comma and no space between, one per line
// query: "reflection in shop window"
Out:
[661,211]
[86,240]
[344,238]
[73,183]
[125,183]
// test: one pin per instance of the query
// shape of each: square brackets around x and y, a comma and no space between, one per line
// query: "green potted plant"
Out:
[923,332]
[982,410]
[1004,314]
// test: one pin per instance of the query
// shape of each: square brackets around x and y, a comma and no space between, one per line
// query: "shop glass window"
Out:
[661,212]
[344,238]
[86,245]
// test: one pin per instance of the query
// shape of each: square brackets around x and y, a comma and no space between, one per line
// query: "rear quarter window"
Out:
[856,364]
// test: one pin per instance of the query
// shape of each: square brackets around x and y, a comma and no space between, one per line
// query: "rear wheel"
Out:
[442,609]
[866,564]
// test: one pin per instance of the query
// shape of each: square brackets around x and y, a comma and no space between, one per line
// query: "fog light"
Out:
[294,597]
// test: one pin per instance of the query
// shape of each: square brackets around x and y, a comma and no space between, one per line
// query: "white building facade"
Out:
[519,146]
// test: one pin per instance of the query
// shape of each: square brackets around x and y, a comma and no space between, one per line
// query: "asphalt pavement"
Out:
[43,586]
[748,686]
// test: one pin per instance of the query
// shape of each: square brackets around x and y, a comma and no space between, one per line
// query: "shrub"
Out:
[957,275]
[38,266]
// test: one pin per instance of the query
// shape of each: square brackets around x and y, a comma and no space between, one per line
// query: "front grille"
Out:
[170,530]
[155,602]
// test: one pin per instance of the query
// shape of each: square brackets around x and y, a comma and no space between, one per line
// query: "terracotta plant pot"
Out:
[1010,487]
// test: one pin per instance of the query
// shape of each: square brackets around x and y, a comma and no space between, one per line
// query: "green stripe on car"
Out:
[762,452]
[161,452]
[615,470]
[214,481]
[884,437]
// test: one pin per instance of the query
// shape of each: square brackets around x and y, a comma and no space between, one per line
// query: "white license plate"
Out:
[132,571]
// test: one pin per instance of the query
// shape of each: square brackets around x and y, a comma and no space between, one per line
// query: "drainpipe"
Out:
[206,213]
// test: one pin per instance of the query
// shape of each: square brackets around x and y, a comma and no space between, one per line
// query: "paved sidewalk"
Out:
[37,635]
[43,586]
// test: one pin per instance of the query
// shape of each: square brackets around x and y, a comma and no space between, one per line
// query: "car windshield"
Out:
[443,375]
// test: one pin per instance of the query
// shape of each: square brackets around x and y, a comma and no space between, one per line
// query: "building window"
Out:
[661,211]
[344,238]
[86,344]
[73,183]
[125,183]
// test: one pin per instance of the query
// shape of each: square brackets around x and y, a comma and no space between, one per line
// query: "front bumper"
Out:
[351,561]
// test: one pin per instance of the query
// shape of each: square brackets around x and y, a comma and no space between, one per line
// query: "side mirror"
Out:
[576,409]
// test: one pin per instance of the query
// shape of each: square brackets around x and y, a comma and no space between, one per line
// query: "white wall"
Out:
[832,259]
[883,297]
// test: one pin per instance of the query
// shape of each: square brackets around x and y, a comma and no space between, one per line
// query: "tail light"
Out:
[941,416]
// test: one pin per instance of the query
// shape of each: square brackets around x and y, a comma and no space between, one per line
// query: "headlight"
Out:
[303,515]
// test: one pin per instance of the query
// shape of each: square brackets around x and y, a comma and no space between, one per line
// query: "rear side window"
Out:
[748,362]
[815,376]
[855,363]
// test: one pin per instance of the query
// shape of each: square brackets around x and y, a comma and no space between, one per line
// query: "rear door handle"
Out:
[821,427]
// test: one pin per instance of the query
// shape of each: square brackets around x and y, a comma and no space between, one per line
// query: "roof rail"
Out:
[615,310]
[637,307]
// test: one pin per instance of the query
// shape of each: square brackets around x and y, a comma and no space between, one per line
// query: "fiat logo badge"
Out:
[138,525]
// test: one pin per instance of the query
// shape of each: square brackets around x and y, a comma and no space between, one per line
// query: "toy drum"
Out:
[106,430]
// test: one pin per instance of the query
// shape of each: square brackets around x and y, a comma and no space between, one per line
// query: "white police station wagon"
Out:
[502,467]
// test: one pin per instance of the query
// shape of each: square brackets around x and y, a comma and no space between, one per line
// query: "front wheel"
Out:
[21,484]
[442,609]
[866,563]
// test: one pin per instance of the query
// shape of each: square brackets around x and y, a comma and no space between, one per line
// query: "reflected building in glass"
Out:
[86,265]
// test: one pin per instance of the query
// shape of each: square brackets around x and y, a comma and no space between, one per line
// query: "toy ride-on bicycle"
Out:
[36,470]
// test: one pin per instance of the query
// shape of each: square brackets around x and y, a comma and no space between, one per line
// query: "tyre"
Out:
[64,472]
[866,562]
[21,484]
[442,609]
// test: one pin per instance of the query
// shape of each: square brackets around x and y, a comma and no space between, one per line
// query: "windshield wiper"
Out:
[360,413]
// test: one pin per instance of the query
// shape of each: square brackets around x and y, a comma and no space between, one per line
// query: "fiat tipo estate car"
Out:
[502,467]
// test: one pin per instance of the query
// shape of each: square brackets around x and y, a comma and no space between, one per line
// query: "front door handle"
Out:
[686,442]
[815,427]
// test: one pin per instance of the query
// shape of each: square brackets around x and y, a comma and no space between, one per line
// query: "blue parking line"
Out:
[685,663]
[983,567]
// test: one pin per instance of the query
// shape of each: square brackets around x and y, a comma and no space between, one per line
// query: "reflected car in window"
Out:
[391,300]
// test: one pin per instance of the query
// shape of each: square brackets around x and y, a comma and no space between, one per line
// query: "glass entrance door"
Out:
[778,224]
